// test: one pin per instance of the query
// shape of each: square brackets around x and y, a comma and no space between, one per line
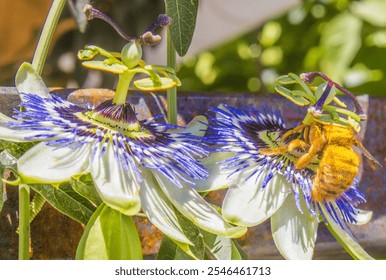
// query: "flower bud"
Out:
[131,54]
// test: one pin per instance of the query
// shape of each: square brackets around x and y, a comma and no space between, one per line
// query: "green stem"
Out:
[45,38]
[308,118]
[24,221]
[123,87]
[172,92]
[38,62]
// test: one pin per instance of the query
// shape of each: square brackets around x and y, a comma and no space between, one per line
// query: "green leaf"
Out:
[183,14]
[173,250]
[193,233]
[86,188]
[62,199]
[237,252]
[167,250]
[222,248]
[16,150]
[109,235]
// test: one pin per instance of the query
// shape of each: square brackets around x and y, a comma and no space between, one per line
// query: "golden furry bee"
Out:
[332,145]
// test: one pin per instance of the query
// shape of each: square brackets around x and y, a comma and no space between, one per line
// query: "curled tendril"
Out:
[310,77]
[147,38]
[17,181]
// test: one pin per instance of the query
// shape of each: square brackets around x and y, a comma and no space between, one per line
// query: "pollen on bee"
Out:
[331,147]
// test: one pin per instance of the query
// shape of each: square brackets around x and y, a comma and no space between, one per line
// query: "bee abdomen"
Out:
[336,173]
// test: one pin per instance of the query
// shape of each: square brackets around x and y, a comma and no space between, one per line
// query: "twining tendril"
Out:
[310,77]
[147,38]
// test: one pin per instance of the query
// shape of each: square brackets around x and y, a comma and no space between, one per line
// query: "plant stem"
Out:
[24,221]
[172,92]
[123,87]
[38,62]
[308,118]
[46,35]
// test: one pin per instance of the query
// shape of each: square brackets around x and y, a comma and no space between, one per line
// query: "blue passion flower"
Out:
[263,185]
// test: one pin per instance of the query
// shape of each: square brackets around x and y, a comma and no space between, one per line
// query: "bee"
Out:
[330,144]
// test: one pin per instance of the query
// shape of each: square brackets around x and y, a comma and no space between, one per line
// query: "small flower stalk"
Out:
[296,176]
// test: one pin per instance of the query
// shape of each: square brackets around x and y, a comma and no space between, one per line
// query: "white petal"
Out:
[197,126]
[247,204]
[294,232]
[218,178]
[15,135]
[117,187]
[4,118]
[345,237]
[196,209]
[363,217]
[46,164]
[29,81]
[158,208]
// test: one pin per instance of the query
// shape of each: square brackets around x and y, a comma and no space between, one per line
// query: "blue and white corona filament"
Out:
[134,143]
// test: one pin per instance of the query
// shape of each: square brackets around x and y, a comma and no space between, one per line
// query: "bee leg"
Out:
[305,159]
[297,144]
[293,145]
[273,151]
[316,136]
[292,131]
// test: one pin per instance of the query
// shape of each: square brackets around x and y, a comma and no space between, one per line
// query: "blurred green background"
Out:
[345,39]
